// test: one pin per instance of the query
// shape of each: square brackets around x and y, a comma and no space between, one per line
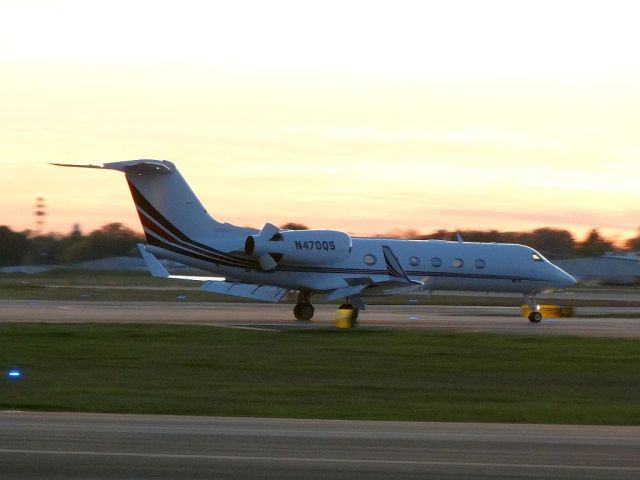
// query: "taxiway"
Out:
[590,321]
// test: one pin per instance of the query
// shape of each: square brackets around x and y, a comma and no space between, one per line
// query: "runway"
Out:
[590,321]
[87,446]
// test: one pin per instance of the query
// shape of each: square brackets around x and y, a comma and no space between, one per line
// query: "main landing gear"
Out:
[535,316]
[303,310]
[346,315]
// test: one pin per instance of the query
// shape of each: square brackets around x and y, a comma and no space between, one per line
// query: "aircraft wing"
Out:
[396,281]
[265,293]
[368,286]
[156,269]
[344,292]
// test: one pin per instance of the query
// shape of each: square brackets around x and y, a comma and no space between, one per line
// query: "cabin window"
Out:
[480,263]
[436,262]
[536,257]
[414,261]
[457,262]
[370,259]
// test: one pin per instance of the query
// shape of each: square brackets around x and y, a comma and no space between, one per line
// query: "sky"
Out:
[361,116]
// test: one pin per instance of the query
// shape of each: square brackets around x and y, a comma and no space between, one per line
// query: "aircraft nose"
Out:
[565,280]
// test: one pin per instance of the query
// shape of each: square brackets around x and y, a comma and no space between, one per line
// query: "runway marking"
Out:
[246,327]
[322,460]
[538,438]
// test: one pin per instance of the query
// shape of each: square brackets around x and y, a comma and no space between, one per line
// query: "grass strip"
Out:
[360,374]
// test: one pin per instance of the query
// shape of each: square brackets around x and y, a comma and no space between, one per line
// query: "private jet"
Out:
[266,264]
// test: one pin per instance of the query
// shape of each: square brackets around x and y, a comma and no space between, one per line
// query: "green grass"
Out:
[360,374]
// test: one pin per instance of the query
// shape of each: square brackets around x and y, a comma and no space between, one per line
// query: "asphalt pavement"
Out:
[98,446]
[590,321]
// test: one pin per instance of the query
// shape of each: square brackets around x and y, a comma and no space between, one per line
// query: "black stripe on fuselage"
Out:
[153,231]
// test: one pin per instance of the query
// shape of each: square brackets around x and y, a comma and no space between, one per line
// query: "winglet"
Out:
[157,270]
[394,269]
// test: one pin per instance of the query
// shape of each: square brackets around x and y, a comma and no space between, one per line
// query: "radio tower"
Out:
[40,213]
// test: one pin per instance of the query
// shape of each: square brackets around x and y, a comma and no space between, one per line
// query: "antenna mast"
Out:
[40,212]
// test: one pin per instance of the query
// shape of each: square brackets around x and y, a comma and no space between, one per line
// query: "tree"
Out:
[294,226]
[44,250]
[14,246]
[437,235]
[111,240]
[594,245]
[634,243]
[553,241]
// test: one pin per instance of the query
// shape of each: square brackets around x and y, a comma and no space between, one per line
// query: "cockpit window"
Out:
[537,257]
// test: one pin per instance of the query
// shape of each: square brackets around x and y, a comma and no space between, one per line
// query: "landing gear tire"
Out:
[354,313]
[303,311]
[535,317]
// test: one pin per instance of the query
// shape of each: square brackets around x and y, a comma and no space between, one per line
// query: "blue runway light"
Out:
[14,374]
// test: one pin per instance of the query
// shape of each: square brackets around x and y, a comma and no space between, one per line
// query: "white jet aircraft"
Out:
[266,264]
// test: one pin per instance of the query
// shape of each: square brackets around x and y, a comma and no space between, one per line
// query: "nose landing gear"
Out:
[535,316]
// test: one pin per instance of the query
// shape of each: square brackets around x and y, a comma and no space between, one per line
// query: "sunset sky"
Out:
[359,116]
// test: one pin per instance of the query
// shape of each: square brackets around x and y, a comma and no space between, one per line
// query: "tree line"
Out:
[111,240]
[551,242]
[114,239]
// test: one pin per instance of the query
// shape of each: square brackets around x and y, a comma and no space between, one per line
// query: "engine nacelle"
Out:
[273,246]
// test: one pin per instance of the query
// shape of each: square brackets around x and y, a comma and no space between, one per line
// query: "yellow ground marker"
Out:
[550,311]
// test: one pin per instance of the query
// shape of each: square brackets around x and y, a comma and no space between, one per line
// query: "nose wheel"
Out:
[535,316]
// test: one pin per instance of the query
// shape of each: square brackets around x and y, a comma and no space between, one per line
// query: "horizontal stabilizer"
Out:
[76,166]
[141,166]
[264,293]
[129,166]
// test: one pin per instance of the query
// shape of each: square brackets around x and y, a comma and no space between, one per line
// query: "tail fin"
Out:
[167,207]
